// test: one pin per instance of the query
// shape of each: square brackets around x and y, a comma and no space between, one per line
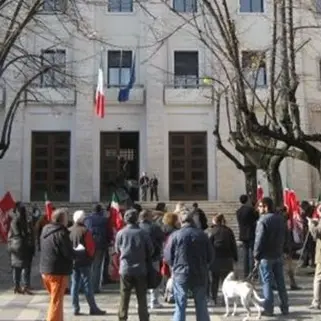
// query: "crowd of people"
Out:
[156,248]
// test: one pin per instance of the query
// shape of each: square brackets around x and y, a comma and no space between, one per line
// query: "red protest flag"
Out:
[48,208]
[259,192]
[6,205]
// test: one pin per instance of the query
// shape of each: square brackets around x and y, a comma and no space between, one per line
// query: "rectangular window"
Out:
[318,6]
[185,5]
[251,5]
[56,75]
[254,68]
[120,5]
[119,66]
[185,68]
[54,5]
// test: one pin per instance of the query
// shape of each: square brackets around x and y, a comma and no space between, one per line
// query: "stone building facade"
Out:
[58,145]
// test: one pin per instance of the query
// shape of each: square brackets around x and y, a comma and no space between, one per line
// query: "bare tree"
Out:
[264,130]
[22,67]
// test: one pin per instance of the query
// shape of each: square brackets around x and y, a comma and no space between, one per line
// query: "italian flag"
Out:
[259,192]
[48,208]
[100,97]
[116,217]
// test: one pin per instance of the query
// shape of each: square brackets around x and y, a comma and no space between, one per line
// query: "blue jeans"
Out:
[200,299]
[273,270]
[97,270]
[81,277]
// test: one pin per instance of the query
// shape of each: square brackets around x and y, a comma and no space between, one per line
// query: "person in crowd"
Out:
[289,251]
[21,247]
[225,253]
[84,250]
[144,184]
[41,223]
[135,248]
[170,225]
[247,217]
[157,236]
[309,249]
[153,185]
[106,276]
[97,224]
[180,206]
[199,217]
[56,258]
[36,214]
[314,227]
[189,253]
[269,245]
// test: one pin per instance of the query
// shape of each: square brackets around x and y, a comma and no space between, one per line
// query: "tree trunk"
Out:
[251,182]
[275,186]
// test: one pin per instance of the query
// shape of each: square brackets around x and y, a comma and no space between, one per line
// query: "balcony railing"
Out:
[188,91]
[51,96]
[136,95]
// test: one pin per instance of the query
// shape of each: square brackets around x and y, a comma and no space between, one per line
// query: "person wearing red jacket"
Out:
[84,250]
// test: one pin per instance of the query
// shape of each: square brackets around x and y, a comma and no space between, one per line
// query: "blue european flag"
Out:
[124,92]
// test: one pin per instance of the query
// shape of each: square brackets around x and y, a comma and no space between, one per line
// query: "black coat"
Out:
[247,218]
[225,249]
[56,256]
[21,242]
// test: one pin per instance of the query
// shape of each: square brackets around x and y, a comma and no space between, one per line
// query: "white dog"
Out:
[169,295]
[234,290]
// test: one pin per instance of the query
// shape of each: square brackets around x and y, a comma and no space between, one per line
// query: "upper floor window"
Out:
[254,68]
[56,75]
[185,68]
[54,5]
[185,5]
[120,5]
[119,67]
[251,5]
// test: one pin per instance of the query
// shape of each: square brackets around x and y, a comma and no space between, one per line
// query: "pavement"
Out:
[33,308]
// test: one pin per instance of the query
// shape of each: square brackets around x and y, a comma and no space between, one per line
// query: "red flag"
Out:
[48,208]
[6,204]
[259,193]
[286,201]
[297,223]
[100,96]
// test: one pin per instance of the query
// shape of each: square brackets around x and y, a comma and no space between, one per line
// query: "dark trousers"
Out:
[81,278]
[154,191]
[309,252]
[248,260]
[106,277]
[96,272]
[216,278]
[21,275]
[127,283]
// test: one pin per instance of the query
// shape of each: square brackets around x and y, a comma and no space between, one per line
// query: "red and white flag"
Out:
[100,96]
[116,217]
[6,205]
[48,208]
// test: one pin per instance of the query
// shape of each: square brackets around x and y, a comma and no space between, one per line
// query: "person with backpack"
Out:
[97,223]
[84,250]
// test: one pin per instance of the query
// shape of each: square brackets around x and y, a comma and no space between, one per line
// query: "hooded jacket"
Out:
[56,256]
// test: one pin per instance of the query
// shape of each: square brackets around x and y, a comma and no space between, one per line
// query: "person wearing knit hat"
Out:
[84,250]
[135,249]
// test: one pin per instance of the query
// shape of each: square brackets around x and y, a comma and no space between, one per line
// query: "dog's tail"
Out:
[257,298]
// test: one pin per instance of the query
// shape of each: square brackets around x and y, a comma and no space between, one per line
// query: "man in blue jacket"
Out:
[96,223]
[189,253]
[268,251]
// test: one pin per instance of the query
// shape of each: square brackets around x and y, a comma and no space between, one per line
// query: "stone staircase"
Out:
[209,207]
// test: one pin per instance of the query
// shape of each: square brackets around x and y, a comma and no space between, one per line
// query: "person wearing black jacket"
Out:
[56,258]
[247,218]
[199,217]
[225,252]
[157,236]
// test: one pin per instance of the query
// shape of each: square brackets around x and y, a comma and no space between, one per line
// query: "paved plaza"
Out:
[33,308]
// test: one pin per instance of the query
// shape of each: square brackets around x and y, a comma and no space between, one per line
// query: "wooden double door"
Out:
[50,166]
[188,166]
